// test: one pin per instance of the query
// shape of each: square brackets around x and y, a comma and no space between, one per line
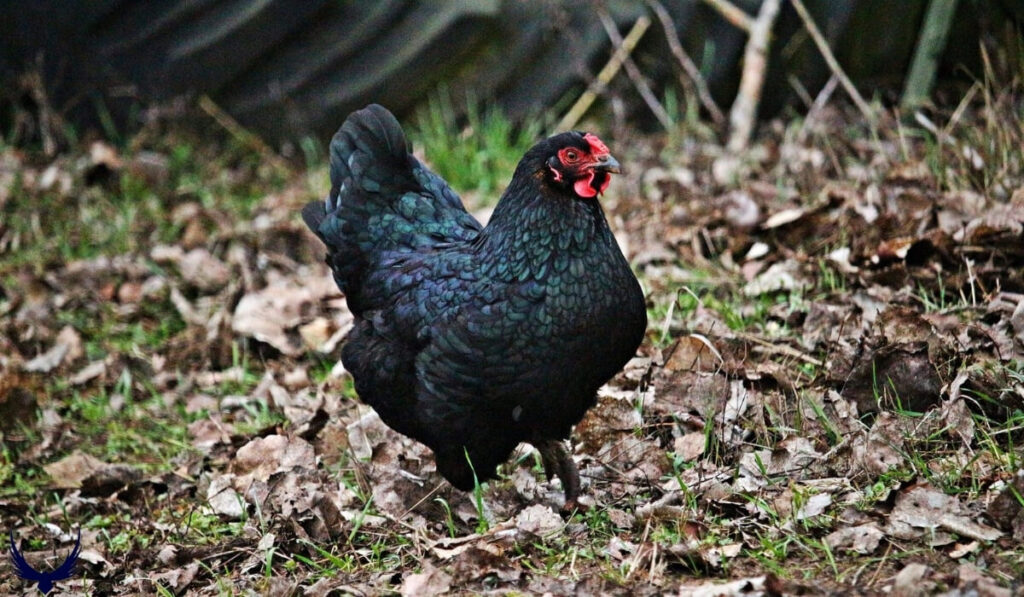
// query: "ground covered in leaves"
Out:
[830,396]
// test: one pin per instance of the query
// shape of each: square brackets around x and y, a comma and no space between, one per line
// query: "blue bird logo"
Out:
[45,579]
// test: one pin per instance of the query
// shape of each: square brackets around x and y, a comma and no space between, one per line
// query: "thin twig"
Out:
[833,64]
[635,560]
[780,349]
[429,495]
[633,71]
[622,51]
[816,107]
[240,133]
[48,119]
[800,90]
[743,114]
[663,507]
[734,15]
[696,80]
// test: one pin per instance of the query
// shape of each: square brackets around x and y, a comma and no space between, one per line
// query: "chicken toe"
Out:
[558,463]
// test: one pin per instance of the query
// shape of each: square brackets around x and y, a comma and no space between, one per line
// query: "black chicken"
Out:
[473,339]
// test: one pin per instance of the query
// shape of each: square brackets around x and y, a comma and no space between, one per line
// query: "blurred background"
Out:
[289,70]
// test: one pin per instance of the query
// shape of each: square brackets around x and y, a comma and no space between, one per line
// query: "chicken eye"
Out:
[572,156]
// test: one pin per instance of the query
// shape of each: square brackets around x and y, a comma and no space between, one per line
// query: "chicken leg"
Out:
[558,463]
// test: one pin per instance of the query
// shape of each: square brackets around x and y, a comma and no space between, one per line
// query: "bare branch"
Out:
[634,71]
[743,114]
[622,51]
[696,80]
[734,15]
[830,59]
[819,104]
[241,134]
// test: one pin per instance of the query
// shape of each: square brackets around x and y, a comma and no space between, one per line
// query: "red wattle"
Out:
[583,188]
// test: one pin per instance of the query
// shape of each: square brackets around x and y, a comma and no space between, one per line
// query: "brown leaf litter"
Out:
[833,362]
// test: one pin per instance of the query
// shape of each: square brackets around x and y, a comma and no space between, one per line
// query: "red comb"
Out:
[597,147]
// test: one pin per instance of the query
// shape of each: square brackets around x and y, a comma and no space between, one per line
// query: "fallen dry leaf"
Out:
[539,520]
[863,539]
[781,218]
[743,586]
[781,276]
[923,507]
[1006,509]
[70,471]
[263,456]
[973,580]
[689,447]
[274,314]
[911,581]
[88,373]
[204,271]
[694,352]
[432,581]
[366,433]
[67,348]
[223,499]
[178,579]
[814,506]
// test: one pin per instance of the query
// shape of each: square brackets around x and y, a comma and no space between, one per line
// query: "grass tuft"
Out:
[475,153]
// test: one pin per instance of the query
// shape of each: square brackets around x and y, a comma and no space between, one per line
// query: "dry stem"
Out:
[743,114]
[622,51]
[731,13]
[833,64]
[698,84]
[633,71]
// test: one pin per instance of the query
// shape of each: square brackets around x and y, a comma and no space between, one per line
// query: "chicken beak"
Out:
[607,163]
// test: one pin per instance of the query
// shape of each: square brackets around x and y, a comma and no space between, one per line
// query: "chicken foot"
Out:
[558,463]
